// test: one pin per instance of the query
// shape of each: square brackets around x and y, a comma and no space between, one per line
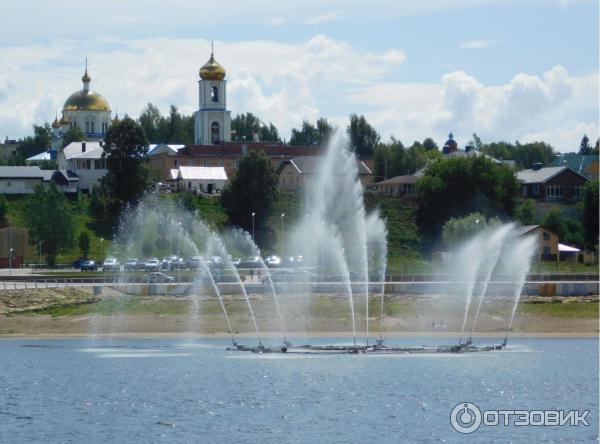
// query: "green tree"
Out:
[476,142]
[553,221]
[245,126]
[455,187]
[187,201]
[252,190]
[457,230]
[312,135]
[527,154]
[363,137]
[429,144]
[74,134]
[525,212]
[590,214]
[269,133]
[153,124]
[38,143]
[596,149]
[3,208]
[584,146]
[574,234]
[84,244]
[125,149]
[48,216]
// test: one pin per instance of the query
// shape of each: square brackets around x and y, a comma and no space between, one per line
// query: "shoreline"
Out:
[270,335]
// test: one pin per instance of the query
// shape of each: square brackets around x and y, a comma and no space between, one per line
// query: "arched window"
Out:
[214,94]
[214,132]
[87,127]
[92,129]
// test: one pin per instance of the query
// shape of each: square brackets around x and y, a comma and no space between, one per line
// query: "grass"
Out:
[563,310]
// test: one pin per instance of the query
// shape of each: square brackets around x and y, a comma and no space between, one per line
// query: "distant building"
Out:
[208,180]
[24,179]
[547,241]
[584,164]
[450,146]
[400,186]
[8,149]
[86,109]
[227,155]
[551,184]
[212,121]
[296,173]
[41,157]
[84,159]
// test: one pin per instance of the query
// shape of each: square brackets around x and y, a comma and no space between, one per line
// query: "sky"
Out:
[507,70]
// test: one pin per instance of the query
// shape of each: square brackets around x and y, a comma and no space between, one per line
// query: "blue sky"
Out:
[508,70]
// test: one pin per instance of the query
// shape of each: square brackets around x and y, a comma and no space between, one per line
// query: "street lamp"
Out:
[253,214]
[282,238]
[101,249]
[10,253]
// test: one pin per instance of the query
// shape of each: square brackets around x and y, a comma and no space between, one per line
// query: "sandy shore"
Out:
[72,314]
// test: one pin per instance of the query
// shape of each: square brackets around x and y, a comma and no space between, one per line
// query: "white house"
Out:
[204,179]
[85,160]
[23,179]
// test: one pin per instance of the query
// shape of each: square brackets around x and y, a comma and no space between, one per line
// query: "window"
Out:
[524,190]
[214,94]
[88,164]
[176,163]
[87,127]
[536,189]
[205,162]
[222,162]
[576,192]
[236,164]
[546,236]
[554,191]
[546,251]
[214,132]
[190,162]
[92,129]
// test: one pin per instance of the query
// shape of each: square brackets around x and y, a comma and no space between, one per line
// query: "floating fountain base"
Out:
[363,349]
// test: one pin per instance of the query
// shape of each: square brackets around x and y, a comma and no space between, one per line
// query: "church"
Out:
[86,109]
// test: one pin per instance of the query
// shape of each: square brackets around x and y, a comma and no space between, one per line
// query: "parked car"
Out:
[89,266]
[290,276]
[77,264]
[131,264]
[111,264]
[152,264]
[177,263]
[165,263]
[194,263]
[236,261]
[158,278]
[273,261]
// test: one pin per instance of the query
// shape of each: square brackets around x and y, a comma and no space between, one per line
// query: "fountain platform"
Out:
[467,347]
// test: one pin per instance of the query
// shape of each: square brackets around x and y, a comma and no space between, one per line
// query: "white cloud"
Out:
[285,83]
[276,21]
[324,18]
[478,44]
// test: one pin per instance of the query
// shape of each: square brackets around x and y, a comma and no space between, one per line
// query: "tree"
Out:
[84,244]
[574,234]
[476,142]
[525,212]
[590,214]
[245,126]
[584,146]
[553,221]
[38,143]
[3,208]
[312,135]
[187,201]
[429,144]
[153,124]
[363,137]
[457,230]
[455,187]
[48,216]
[125,149]
[74,134]
[252,190]
[596,149]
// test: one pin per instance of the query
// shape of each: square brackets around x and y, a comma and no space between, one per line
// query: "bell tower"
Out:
[212,121]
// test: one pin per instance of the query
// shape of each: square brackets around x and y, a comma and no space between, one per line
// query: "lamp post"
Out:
[179,252]
[282,238]
[101,249]
[253,214]
[10,252]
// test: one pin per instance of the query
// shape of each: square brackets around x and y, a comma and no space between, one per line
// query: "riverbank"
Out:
[77,312]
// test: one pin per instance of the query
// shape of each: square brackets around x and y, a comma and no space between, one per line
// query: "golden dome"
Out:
[55,124]
[86,100]
[63,121]
[212,70]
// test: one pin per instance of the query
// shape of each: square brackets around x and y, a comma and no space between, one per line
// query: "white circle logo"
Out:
[465,417]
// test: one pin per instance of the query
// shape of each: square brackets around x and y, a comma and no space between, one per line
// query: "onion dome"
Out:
[63,121]
[55,124]
[212,70]
[85,99]
[116,118]
[450,146]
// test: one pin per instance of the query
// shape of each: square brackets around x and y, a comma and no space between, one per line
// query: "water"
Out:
[168,390]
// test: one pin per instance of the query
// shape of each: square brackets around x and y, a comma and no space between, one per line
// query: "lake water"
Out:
[173,390]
